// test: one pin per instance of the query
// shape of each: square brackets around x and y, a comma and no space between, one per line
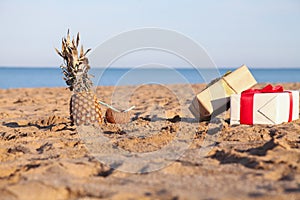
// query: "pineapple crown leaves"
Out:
[76,65]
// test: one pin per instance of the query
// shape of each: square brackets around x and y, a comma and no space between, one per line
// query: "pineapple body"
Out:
[85,109]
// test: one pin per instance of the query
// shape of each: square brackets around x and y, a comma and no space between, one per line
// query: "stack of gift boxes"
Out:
[268,105]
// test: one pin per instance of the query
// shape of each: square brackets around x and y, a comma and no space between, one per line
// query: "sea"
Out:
[34,77]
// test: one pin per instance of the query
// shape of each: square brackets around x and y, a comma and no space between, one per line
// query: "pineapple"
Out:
[84,106]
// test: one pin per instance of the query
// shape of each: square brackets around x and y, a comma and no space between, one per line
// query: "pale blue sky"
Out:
[259,33]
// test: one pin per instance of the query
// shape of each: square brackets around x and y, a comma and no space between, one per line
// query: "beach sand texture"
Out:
[43,157]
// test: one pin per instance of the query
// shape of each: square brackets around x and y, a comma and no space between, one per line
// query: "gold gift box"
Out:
[214,99]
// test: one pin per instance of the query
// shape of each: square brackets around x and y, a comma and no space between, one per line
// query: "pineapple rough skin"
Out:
[85,109]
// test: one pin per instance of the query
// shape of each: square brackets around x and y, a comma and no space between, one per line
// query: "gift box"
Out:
[270,105]
[214,99]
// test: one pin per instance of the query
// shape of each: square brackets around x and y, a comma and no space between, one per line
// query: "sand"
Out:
[42,156]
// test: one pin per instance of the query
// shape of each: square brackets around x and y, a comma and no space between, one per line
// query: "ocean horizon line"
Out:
[223,67]
[15,77]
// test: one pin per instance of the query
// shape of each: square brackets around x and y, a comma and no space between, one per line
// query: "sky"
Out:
[259,33]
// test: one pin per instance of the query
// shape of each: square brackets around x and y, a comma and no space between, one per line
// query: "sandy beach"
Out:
[43,157]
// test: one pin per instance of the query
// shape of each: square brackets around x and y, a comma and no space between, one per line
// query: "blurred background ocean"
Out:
[26,77]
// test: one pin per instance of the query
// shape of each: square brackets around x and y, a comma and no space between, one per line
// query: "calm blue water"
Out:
[52,77]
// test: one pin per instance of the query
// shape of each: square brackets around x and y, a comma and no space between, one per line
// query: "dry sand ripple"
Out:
[43,157]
